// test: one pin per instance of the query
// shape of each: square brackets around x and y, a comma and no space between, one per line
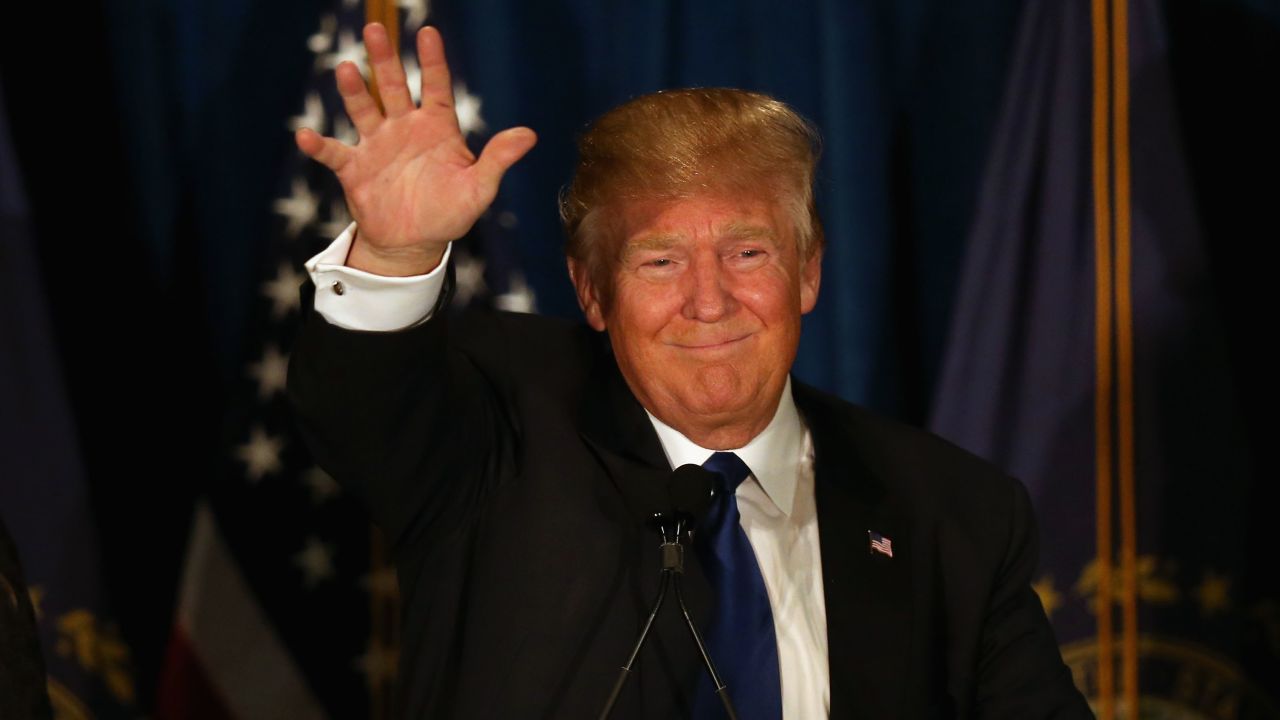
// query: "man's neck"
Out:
[771,454]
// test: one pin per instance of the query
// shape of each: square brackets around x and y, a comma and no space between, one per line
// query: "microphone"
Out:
[686,498]
[689,496]
[689,489]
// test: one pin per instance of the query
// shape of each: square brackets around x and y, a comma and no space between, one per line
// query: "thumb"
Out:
[500,153]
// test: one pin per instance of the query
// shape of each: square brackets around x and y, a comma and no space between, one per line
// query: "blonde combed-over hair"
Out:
[677,144]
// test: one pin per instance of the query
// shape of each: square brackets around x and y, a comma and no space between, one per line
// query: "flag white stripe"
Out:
[244,659]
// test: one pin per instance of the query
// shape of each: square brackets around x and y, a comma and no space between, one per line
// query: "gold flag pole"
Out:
[1114,399]
[385,12]
[1124,353]
[1103,354]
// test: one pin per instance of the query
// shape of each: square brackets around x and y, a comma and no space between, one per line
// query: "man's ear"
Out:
[810,281]
[588,294]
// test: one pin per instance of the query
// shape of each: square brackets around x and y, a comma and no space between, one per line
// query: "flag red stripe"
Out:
[185,691]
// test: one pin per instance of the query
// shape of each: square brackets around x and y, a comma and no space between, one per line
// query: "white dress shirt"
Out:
[781,521]
[776,502]
[359,300]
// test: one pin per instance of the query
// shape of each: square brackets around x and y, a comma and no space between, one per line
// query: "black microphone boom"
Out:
[669,525]
[691,488]
[689,493]
[663,582]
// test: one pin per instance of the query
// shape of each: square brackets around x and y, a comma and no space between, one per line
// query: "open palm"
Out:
[411,183]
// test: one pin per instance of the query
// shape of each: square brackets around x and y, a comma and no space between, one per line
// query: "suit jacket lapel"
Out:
[868,595]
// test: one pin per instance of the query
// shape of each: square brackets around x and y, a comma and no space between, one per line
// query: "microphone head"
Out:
[690,488]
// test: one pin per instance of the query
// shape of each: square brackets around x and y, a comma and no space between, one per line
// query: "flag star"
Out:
[338,220]
[322,39]
[261,454]
[415,13]
[381,583]
[271,372]
[467,106]
[322,486]
[348,49]
[350,4]
[300,207]
[315,560]
[412,76]
[344,131]
[469,276]
[312,114]
[518,298]
[283,291]
[507,220]
[378,665]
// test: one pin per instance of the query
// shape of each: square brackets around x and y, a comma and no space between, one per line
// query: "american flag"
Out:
[289,607]
[880,544]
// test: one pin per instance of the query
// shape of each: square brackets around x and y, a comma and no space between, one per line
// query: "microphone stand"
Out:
[672,553]
[672,564]
[722,690]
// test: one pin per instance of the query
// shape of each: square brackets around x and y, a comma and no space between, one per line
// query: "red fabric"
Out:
[185,692]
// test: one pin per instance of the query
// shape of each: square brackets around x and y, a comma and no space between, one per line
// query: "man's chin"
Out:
[716,425]
[721,402]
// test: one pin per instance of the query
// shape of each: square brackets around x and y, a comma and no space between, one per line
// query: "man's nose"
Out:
[707,296]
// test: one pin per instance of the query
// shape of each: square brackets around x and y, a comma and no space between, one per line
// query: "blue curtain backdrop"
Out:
[173,148]
[903,92]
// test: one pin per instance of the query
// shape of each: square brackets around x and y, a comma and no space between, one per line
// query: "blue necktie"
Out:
[740,636]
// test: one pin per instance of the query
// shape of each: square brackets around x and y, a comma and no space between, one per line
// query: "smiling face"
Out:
[704,313]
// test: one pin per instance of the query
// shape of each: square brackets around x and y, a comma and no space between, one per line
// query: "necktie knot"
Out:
[729,469]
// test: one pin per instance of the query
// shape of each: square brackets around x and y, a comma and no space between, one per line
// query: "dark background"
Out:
[151,142]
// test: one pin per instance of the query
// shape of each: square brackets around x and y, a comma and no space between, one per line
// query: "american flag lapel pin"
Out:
[880,544]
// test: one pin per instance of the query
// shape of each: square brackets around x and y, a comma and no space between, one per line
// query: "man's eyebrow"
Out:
[733,230]
[649,243]
[746,231]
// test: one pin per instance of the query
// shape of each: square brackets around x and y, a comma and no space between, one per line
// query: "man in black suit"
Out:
[849,566]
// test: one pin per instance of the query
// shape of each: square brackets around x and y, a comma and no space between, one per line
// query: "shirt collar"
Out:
[773,455]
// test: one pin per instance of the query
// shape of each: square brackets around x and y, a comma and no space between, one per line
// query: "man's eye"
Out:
[751,253]
[660,262]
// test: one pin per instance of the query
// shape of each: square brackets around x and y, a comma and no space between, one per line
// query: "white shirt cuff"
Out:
[359,300]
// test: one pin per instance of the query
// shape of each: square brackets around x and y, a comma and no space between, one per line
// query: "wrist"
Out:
[393,262]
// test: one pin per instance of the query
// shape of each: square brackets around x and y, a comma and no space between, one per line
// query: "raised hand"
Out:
[411,183]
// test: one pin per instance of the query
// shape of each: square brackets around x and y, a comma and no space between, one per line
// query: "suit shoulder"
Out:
[480,325]
[495,331]
[911,461]
[523,348]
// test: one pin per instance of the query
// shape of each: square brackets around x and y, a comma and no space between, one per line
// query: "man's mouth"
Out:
[712,344]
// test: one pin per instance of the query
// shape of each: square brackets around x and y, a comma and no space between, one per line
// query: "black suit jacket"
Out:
[508,463]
